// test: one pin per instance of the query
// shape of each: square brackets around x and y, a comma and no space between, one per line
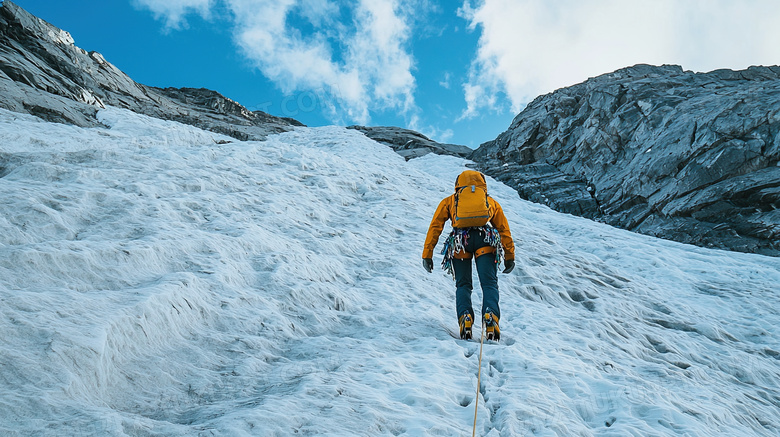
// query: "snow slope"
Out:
[154,282]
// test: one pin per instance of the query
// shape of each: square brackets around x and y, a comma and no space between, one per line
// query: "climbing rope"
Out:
[479,379]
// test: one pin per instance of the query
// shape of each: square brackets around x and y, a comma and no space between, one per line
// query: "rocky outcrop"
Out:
[43,73]
[691,157]
[544,183]
[411,144]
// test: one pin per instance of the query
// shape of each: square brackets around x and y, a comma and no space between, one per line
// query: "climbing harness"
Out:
[454,246]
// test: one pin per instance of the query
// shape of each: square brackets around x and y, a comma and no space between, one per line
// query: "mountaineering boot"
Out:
[465,321]
[491,327]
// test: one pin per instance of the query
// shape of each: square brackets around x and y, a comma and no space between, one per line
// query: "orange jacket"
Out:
[446,211]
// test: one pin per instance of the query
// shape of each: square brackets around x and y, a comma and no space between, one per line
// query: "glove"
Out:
[509,265]
[428,264]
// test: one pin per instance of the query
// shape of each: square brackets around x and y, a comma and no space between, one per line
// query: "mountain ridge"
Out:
[43,73]
[411,144]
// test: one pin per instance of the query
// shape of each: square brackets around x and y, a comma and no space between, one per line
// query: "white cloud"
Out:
[445,82]
[378,47]
[354,51]
[318,12]
[173,11]
[432,132]
[531,47]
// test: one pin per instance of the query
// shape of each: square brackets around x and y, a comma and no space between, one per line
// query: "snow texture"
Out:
[158,281]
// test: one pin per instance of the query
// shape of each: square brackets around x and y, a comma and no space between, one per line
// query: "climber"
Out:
[479,230]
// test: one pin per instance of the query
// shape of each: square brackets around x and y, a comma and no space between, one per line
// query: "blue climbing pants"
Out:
[488,278]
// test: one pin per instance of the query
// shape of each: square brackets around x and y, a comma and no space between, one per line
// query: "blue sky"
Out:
[457,71]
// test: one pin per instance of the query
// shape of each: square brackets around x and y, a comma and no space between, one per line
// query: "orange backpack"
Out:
[472,208]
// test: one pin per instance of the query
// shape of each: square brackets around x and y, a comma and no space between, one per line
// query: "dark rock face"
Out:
[543,183]
[43,73]
[411,144]
[691,157]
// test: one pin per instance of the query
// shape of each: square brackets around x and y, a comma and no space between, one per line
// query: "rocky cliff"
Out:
[691,157]
[42,72]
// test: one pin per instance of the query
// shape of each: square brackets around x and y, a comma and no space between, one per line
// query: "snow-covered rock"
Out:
[156,280]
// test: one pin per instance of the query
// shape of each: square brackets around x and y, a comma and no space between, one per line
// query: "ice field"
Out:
[160,280]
